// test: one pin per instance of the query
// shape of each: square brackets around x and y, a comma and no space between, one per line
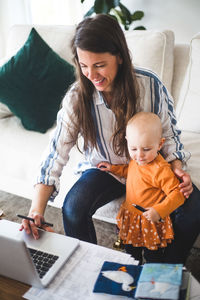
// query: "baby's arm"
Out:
[119,170]
[173,197]
[104,166]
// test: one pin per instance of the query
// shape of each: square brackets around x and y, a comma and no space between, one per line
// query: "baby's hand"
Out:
[151,214]
[104,166]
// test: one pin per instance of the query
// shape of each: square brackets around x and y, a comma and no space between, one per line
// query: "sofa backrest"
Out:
[154,50]
[149,49]
[57,37]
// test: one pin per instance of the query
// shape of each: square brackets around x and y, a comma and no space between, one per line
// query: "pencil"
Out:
[139,207]
[31,219]
[143,210]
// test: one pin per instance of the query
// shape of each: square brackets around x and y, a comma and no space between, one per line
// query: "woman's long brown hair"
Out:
[99,35]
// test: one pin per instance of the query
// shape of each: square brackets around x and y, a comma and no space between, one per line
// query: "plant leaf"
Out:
[116,3]
[114,17]
[126,13]
[122,14]
[120,18]
[112,3]
[139,28]
[137,15]
[118,15]
[89,12]
[101,6]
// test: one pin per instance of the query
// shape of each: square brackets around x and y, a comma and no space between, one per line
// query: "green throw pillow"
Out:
[33,83]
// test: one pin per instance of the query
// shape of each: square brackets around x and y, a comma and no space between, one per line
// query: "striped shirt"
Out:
[154,97]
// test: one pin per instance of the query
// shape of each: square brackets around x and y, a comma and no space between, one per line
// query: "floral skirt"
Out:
[136,230]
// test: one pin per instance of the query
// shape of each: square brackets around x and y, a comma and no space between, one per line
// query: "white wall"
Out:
[12,12]
[54,12]
[181,16]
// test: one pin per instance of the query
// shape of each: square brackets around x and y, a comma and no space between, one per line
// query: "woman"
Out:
[107,93]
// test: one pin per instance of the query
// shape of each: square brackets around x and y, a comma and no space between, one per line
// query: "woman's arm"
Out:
[56,154]
[38,206]
[55,158]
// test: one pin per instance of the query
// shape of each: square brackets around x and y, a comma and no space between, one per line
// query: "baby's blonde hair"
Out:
[146,121]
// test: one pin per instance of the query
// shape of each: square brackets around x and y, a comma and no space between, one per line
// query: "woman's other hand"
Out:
[186,182]
[185,179]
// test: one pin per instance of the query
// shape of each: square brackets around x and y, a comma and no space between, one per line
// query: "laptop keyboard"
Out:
[43,261]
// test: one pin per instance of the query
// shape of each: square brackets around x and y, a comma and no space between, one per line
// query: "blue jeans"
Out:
[96,188]
[151,256]
[93,190]
[186,224]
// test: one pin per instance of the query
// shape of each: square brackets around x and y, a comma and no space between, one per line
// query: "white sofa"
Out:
[177,65]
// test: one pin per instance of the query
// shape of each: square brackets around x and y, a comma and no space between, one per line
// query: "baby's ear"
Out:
[162,140]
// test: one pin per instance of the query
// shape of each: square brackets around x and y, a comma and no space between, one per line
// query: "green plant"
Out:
[118,11]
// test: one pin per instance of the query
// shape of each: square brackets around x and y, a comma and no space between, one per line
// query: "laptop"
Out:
[34,262]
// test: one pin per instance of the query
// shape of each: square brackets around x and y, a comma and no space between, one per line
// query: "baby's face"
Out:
[143,147]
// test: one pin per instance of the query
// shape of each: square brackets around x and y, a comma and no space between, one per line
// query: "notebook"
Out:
[19,250]
[118,279]
[159,281]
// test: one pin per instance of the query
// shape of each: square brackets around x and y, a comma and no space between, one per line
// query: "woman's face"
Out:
[100,68]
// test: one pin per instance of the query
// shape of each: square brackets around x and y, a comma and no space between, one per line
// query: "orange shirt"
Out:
[152,185]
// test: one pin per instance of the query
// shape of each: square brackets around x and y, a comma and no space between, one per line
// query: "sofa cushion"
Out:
[58,37]
[33,83]
[188,107]
[153,50]
[4,111]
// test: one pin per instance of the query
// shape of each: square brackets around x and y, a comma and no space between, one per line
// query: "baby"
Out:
[152,185]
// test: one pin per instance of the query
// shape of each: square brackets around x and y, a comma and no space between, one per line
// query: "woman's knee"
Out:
[73,210]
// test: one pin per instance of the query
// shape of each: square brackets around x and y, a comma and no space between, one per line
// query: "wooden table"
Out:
[14,290]
[11,289]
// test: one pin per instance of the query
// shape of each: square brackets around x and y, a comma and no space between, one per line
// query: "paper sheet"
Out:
[77,278]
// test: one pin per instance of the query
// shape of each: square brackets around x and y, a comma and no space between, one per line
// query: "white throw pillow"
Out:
[153,50]
[188,108]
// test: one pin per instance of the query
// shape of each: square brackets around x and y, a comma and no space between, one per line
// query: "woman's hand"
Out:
[186,182]
[151,214]
[104,166]
[41,196]
[32,227]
